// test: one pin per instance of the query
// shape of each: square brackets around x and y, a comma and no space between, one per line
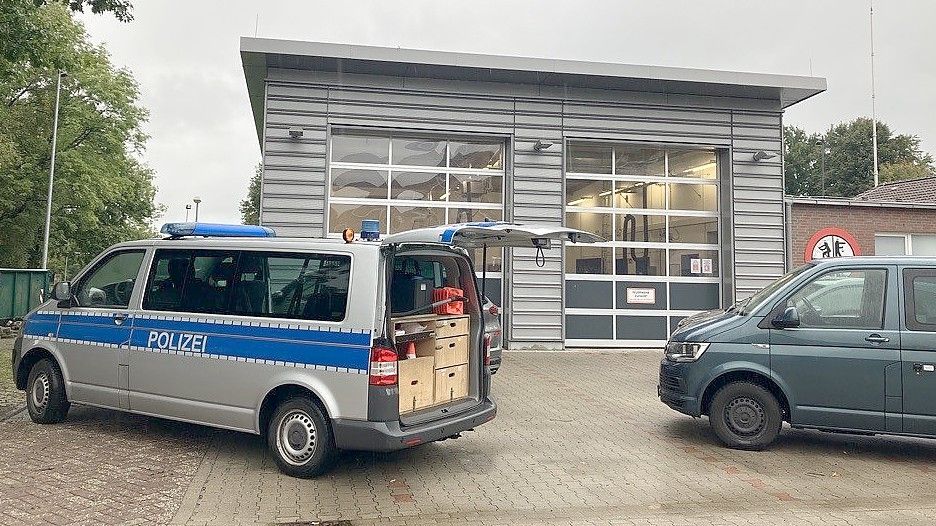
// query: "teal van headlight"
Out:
[684,351]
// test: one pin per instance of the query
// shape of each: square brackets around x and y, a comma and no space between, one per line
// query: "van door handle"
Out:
[119,318]
[877,338]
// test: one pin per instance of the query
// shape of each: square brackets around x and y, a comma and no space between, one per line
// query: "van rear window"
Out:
[247,283]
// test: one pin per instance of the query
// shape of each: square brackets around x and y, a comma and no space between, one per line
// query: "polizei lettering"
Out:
[176,341]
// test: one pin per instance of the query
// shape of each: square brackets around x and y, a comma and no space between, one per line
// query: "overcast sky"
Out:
[185,57]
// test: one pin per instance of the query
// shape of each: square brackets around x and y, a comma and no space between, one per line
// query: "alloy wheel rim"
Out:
[40,391]
[295,437]
[745,416]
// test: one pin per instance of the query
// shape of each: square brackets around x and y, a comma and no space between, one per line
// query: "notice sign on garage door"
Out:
[641,296]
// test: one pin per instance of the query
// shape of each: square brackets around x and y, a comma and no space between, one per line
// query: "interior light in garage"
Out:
[701,168]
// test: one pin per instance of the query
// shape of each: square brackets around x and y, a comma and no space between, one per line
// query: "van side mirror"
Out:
[62,291]
[788,319]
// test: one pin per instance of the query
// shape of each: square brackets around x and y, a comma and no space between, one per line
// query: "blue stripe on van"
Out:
[41,325]
[320,336]
[303,346]
[309,346]
[301,352]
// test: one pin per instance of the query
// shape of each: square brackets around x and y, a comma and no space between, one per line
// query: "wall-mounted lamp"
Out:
[541,145]
[763,156]
[295,133]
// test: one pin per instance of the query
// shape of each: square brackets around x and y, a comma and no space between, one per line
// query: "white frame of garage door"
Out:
[667,246]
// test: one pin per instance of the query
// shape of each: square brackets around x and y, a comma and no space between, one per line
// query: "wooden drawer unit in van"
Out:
[448,326]
[416,383]
[451,351]
[451,383]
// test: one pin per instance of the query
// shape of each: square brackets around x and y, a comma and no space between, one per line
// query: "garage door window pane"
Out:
[468,215]
[593,222]
[342,216]
[694,197]
[481,155]
[693,230]
[417,186]
[692,163]
[629,160]
[419,152]
[589,158]
[360,149]
[588,260]
[693,263]
[890,246]
[641,227]
[584,192]
[475,188]
[640,262]
[359,183]
[403,218]
[923,245]
[634,194]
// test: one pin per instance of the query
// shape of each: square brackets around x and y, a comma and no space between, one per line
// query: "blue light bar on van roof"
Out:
[216,230]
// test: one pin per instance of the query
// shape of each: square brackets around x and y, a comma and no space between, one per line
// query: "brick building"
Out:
[893,219]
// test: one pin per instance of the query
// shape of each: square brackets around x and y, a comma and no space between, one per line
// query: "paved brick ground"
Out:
[579,439]
[10,398]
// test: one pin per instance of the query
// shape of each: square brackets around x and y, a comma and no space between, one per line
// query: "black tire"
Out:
[45,393]
[745,415]
[300,438]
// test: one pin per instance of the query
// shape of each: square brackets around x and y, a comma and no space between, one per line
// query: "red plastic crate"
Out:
[452,307]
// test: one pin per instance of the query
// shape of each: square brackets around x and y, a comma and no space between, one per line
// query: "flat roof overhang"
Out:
[258,54]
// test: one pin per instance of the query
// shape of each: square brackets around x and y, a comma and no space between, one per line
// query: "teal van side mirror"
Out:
[788,319]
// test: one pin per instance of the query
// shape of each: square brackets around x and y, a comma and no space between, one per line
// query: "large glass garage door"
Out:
[409,181]
[658,209]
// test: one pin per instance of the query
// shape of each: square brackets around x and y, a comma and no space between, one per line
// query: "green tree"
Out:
[904,171]
[849,164]
[250,205]
[103,193]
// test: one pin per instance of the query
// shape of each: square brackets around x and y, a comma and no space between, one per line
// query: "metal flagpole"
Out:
[874,141]
[45,239]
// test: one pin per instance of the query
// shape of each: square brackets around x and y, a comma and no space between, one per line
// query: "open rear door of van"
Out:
[493,234]
[445,372]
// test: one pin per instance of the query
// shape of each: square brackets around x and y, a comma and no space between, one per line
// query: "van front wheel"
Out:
[45,393]
[300,438]
[745,416]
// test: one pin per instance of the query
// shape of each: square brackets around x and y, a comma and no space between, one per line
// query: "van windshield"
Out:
[743,307]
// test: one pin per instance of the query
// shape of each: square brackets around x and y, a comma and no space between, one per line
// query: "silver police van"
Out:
[318,345]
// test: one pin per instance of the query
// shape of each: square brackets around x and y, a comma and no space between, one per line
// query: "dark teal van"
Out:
[844,344]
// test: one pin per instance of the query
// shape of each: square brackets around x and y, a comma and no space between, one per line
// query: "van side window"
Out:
[197,281]
[110,282]
[842,299]
[292,285]
[920,299]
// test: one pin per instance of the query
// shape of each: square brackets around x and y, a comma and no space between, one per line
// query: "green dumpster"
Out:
[21,290]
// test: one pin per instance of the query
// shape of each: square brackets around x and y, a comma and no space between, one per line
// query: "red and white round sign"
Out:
[832,242]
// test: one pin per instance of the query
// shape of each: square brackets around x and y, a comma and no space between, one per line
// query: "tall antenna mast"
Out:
[874,141]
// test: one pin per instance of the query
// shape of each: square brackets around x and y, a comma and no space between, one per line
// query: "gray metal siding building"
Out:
[660,161]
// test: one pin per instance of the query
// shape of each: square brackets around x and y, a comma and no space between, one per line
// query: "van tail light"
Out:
[494,310]
[487,349]
[383,365]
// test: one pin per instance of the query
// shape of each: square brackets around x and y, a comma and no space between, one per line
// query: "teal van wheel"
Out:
[301,439]
[45,393]
[745,416]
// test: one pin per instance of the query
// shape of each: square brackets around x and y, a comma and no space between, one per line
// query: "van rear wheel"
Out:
[45,393]
[745,415]
[300,438]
